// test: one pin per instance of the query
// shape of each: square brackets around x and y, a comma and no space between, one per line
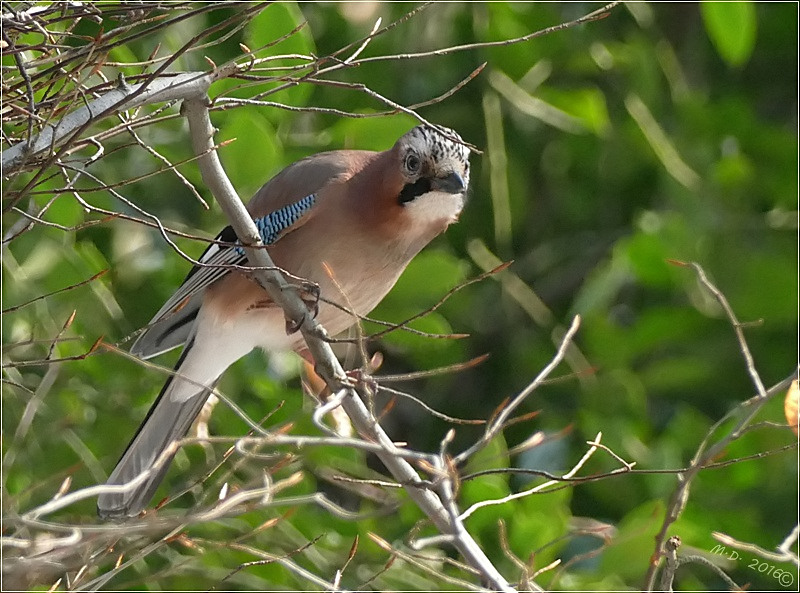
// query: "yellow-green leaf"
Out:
[732,28]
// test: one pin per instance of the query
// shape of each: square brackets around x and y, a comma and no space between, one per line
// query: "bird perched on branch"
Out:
[348,220]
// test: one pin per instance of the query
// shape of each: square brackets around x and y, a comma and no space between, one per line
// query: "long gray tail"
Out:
[168,421]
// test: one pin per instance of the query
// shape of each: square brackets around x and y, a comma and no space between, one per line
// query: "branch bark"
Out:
[182,86]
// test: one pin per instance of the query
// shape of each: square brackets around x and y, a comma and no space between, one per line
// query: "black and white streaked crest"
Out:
[438,150]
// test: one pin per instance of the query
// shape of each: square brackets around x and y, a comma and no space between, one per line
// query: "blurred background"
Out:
[610,150]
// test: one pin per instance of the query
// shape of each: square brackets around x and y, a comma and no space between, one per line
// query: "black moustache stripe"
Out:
[411,191]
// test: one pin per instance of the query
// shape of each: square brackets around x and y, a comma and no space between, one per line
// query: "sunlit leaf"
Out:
[732,28]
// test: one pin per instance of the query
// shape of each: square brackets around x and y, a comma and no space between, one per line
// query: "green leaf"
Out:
[648,259]
[489,486]
[587,105]
[539,521]
[732,29]
[633,543]
[426,280]
[255,155]
[493,456]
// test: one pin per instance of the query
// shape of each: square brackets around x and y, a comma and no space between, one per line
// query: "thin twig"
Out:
[737,327]
[498,423]
[99,274]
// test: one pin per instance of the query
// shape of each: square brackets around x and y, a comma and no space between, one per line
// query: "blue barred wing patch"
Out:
[273,225]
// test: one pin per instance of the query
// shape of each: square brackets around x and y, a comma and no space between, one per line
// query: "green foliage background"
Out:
[662,132]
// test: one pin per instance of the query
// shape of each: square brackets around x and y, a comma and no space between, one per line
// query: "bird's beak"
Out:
[451,184]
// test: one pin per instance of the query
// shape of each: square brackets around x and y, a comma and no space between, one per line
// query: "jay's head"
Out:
[434,167]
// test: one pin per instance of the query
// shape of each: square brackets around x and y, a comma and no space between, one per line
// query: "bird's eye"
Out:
[412,163]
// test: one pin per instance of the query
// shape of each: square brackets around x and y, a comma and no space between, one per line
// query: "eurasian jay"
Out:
[348,220]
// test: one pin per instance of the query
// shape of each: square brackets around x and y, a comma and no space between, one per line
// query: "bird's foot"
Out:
[309,293]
